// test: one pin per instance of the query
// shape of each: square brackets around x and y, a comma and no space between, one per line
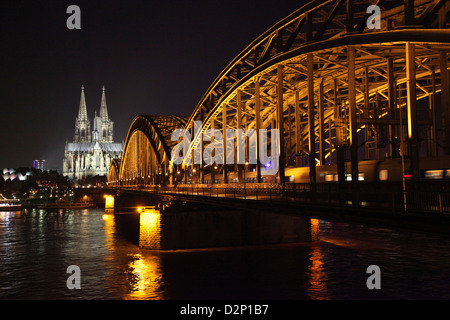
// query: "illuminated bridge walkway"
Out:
[363,114]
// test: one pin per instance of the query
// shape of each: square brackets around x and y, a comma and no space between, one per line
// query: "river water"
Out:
[37,246]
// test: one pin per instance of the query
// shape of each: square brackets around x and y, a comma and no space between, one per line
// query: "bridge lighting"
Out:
[150,224]
[361,50]
[109,202]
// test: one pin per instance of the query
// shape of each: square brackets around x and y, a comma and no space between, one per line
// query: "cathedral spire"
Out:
[82,112]
[103,107]
[82,125]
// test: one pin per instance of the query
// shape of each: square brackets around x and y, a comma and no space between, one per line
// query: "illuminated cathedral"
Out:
[91,152]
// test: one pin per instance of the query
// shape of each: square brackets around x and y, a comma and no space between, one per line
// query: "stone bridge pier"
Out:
[167,223]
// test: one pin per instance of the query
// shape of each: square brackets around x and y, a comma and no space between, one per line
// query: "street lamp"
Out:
[215,168]
[245,171]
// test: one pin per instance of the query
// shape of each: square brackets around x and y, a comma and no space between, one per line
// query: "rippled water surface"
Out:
[36,247]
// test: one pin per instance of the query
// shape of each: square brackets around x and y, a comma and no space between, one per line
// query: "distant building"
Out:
[39,164]
[91,152]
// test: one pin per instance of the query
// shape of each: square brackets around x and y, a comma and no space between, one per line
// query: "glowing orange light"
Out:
[109,202]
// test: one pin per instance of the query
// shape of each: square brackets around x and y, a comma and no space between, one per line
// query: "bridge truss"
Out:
[338,92]
[146,156]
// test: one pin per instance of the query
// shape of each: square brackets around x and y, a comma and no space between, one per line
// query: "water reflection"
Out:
[146,277]
[314,229]
[4,215]
[317,289]
[109,227]
[36,247]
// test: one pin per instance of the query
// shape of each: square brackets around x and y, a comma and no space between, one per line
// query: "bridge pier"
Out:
[167,230]
[164,223]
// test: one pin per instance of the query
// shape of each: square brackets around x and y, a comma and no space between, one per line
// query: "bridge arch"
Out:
[326,81]
[338,92]
[146,154]
[113,173]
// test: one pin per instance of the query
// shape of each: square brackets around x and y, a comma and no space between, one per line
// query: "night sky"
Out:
[153,57]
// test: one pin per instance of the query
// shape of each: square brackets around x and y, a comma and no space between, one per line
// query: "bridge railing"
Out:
[387,199]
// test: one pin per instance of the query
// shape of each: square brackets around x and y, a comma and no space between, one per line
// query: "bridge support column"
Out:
[224,143]
[352,115]
[239,126]
[393,147]
[431,129]
[201,168]
[213,153]
[258,126]
[172,176]
[411,110]
[322,150]
[280,124]
[298,131]
[445,98]
[312,130]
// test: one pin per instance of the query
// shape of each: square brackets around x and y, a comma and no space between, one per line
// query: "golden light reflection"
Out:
[145,269]
[147,277]
[150,229]
[109,227]
[317,289]
[314,229]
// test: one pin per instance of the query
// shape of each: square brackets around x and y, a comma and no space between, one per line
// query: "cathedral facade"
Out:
[91,152]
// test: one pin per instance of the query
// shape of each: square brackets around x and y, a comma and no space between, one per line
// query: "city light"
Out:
[340,111]
[109,202]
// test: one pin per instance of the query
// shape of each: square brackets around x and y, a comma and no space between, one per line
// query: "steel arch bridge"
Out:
[339,92]
[147,152]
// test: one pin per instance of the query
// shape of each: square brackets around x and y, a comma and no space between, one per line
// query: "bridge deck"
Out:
[424,210]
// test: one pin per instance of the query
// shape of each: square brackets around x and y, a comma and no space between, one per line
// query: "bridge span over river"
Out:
[361,111]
